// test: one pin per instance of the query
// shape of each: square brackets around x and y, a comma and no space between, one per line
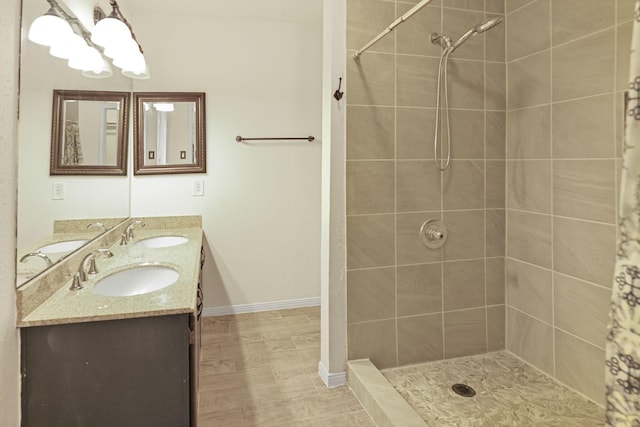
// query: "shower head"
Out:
[487,25]
[480,28]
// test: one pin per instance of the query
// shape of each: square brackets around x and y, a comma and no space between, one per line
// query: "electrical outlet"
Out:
[198,187]
[57,191]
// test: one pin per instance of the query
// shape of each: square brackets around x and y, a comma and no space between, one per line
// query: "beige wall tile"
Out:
[365,18]
[464,185]
[495,278]
[529,237]
[529,81]
[464,4]
[419,339]
[370,79]
[495,171]
[411,250]
[495,328]
[494,42]
[495,232]
[585,250]
[414,133]
[530,289]
[370,132]
[581,308]
[419,289]
[529,133]
[418,187]
[584,67]
[513,5]
[585,189]
[577,18]
[623,49]
[530,339]
[465,333]
[528,30]
[529,185]
[619,123]
[413,34]
[467,134]
[466,84]
[373,340]
[495,134]
[496,93]
[370,241]
[463,284]
[416,81]
[624,10]
[584,128]
[494,6]
[580,366]
[371,294]
[370,187]
[457,22]
[466,234]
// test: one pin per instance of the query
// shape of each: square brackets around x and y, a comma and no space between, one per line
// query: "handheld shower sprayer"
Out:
[480,28]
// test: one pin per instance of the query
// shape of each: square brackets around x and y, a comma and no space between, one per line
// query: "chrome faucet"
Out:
[91,259]
[98,224]
[128,232]
[39,255]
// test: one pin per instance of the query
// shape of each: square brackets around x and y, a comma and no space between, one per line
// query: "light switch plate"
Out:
[198,187]
[57,191]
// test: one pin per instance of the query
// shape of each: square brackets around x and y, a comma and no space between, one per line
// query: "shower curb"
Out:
[383,403]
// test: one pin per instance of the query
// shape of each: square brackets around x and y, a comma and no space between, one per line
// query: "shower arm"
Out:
[391,27]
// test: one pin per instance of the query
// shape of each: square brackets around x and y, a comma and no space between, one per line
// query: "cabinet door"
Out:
[132,372]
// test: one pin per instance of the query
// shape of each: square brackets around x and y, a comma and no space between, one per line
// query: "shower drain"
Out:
[463,390]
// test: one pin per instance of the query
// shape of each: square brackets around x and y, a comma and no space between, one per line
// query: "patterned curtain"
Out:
[72,146]
[622,375]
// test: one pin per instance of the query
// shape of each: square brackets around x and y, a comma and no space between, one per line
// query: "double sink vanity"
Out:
[110,333]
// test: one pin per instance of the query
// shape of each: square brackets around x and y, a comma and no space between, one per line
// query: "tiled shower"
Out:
[529,198]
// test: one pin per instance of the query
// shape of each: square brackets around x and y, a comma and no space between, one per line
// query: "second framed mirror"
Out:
[170,135]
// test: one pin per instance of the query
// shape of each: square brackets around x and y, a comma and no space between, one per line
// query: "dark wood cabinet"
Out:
[129,372]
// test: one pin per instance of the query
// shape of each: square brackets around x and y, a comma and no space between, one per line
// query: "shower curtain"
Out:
[622,374]
[72,146]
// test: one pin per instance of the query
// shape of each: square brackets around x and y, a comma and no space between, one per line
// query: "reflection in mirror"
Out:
[89,133]
[169,133]
[45,200]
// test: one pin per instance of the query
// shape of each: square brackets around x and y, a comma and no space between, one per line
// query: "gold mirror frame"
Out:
[57,167]
[200,157]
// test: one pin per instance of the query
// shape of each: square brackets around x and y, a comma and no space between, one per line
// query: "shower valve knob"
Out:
[433,234]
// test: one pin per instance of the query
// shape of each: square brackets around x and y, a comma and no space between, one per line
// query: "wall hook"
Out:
[338,94]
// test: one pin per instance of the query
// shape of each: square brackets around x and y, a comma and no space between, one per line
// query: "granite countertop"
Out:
[83,305]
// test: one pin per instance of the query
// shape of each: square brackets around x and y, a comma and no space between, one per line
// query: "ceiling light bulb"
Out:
[49,28]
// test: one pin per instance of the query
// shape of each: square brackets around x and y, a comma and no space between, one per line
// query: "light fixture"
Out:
[49,28]
[163,106]
[112,38]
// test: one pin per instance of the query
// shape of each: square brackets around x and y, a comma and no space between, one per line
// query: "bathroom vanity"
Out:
[90,359]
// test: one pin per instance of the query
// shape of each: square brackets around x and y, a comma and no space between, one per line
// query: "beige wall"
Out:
[567,63]
[406,303]
[9,343]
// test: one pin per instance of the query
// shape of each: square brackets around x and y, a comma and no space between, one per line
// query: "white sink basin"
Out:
[162,241]
[66,246]
[136,281]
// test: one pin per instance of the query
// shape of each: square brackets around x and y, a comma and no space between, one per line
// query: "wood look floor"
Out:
[261,369]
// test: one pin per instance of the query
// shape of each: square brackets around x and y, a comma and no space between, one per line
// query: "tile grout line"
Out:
[551,194]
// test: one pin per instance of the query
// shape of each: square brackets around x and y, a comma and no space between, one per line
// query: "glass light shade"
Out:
[163,106]
[132,62]
[68,46]
[141,75]
[86,59]
[103,72]
[110,31]
[48,29]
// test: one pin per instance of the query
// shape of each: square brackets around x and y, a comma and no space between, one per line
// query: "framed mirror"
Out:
[169,134]
[89,131]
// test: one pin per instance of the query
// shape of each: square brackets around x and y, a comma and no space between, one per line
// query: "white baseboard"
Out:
[261,306]
[331,380]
